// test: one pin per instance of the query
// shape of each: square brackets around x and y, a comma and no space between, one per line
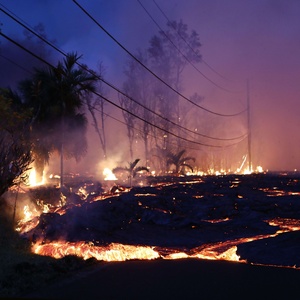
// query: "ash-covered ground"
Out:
[187,214]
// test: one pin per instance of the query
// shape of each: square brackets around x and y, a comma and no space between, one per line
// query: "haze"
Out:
[254,40]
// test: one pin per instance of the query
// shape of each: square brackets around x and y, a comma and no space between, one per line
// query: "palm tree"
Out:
[179,161]
[56,97]
[131,169]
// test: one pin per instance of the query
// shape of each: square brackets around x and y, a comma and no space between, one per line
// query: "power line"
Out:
[27,27]
[165,15]
[150,71]
[170,121]
[114,104]
[156,126]
[25,49]
[177,48]
[117,89]
[158,137]
[16,64]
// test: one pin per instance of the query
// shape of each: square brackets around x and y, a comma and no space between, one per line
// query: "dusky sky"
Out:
[254,40]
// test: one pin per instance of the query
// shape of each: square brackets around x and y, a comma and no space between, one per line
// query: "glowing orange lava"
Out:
[222,250]
[112,252]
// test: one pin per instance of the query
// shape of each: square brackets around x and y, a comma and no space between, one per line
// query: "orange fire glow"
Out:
[118,252]
[109,175]
[32,180]
[112,252]
[223,250]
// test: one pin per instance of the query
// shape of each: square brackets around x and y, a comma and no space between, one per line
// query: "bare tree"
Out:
[131,109]
[96,108]
[170,52]
[138,85]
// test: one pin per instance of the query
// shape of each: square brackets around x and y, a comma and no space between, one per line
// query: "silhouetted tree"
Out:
[56,98]
[15,149]
[132,169]
[130,120]
[170,52]
[179,161]
[138,85]
[96,107]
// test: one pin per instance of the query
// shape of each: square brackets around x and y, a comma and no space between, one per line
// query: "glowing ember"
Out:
[286,224]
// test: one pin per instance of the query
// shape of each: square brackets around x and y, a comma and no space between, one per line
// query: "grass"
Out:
[22,271]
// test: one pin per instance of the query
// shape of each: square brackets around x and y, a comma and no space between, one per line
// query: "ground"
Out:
[190,215]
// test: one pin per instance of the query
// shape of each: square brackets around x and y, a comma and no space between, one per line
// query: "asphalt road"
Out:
[180,279]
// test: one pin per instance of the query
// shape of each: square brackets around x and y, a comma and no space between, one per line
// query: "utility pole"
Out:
[62,128]
[249,128]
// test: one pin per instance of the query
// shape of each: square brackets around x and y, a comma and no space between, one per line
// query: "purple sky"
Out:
[241,39]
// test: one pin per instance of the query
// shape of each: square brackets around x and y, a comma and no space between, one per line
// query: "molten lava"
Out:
[151,204]
[112,252]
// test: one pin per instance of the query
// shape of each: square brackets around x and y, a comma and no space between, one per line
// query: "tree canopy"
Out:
[15,148]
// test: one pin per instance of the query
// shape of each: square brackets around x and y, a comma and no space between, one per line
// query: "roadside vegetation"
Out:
[21,271]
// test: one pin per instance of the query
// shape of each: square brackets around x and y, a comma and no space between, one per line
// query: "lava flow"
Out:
[205,218]
[112,252]
[119,252]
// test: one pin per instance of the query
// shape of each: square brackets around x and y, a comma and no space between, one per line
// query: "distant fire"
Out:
[109,175]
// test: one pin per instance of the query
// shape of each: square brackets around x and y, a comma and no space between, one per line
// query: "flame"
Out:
[226,250]
[259,169]
[32,180]
[229,255]
[109,175]
[29,214]
[29,220]
[51,176]
[45,207]
[112,252]
[121,252]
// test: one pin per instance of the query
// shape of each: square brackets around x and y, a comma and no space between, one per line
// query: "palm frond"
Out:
[139,169]
[120,169]
[187,158]
[133,164]
[188,166]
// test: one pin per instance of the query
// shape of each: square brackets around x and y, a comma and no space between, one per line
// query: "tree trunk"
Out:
[62,153]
